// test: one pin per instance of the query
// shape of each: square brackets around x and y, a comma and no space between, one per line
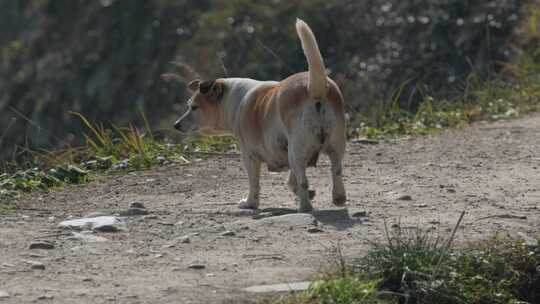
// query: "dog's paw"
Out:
[248,204]
[339,200]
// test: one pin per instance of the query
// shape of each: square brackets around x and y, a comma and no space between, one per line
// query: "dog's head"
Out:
[203,113]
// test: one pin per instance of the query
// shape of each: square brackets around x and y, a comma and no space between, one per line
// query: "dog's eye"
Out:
[194,108]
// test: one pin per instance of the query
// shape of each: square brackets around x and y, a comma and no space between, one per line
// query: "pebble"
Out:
[286,287]
[4,294]
[196,266]
[228,233]
[36,265]
[315,230]
[365,141]
[404,197]
[90,215]
[135,211]
[184,239]
[41,244]
[136,204]
[100,223]
[360,214]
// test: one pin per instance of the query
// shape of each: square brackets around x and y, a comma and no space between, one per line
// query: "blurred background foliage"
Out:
[105,58]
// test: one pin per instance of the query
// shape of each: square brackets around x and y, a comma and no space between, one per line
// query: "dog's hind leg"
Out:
[335,153]
[293,186]
[253,168]
[298,165]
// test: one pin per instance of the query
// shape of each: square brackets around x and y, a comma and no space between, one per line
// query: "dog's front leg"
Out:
[253,168]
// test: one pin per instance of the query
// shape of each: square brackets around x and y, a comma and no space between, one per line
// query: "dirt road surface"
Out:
[491,170]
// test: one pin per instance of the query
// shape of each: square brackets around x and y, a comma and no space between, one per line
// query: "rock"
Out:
[365,141]
[36,265]
[87,237]
[184,239]
[36,255]
[45,297]
[124,164]
[228,233]
[286,287]
[91,215]
[288,220]
[100,223]
[359,214]
[136,204]
[4,295]
[135,211]
[404,197]
[165,223]
[315,230]
[196,266]
[41,244]
[421,205]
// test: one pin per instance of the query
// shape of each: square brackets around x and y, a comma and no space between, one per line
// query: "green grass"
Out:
[420,267]
[105,150]
[480,100]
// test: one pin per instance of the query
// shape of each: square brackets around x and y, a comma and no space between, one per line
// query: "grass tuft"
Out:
[420,267]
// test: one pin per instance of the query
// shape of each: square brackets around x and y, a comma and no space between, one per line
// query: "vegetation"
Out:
[106,150]
[480,100]
[418,267]
[104,58]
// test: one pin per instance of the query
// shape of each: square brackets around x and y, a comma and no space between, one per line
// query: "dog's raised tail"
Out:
[318,84]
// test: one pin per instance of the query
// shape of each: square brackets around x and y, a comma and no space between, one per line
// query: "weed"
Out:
[492,99]
[420,267]
[105,149]
[423,269]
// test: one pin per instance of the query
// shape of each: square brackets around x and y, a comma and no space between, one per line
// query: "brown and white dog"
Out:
[284,124]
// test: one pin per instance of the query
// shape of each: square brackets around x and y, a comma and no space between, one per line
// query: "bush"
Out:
[418,267]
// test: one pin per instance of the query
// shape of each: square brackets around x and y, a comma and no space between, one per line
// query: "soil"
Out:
[489,170]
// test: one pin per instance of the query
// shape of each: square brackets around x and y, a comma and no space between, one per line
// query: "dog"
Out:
[284,124]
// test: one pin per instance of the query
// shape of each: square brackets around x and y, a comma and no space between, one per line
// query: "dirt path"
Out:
[490,170]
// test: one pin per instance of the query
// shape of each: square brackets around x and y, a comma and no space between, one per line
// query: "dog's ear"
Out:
[214,87]
[194,85]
